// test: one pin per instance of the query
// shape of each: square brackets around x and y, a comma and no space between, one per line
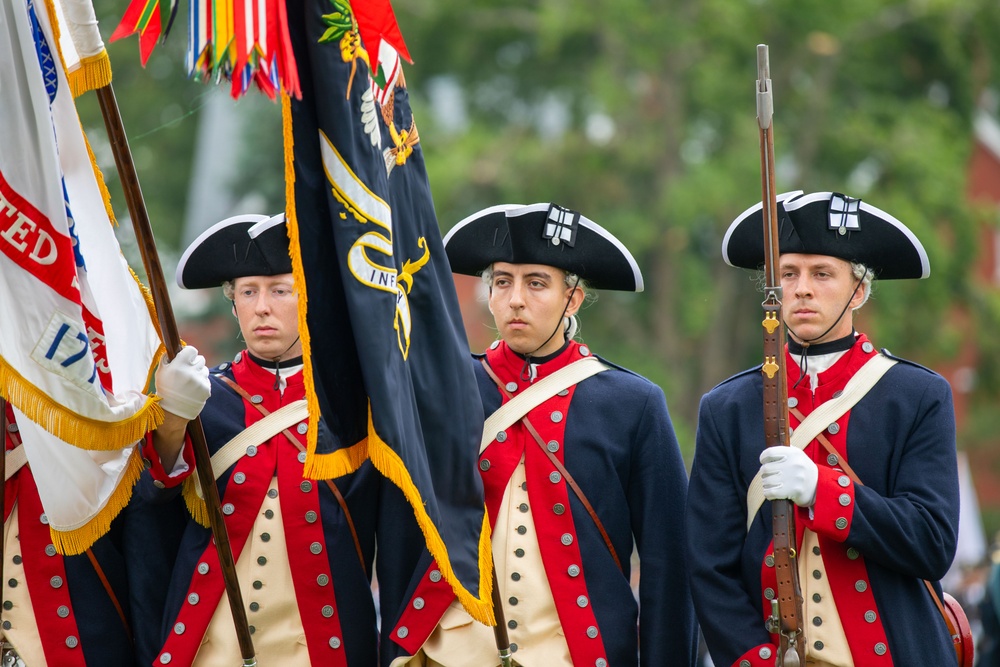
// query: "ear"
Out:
[858,297]
[234,309]
[575,301]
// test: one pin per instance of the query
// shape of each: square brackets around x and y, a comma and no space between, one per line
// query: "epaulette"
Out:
[732,378]
[901,360]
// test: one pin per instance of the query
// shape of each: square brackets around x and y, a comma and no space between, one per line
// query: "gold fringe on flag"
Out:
[298,273]
[94,72]
[78,540]
[387,462]
[195,503]
[78,430]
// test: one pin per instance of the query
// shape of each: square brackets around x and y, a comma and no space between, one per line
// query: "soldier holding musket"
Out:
[871,468]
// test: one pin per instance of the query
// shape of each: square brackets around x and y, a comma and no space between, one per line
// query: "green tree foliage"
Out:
[642,115]
[657,140]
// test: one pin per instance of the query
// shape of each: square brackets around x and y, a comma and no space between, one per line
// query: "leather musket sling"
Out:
[534,396]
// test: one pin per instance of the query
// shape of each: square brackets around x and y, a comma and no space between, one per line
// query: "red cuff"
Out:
[758,656]
[430,601]
[833,510]
[151,459]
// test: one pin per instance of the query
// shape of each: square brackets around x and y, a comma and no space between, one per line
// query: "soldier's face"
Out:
[267,310]
[527,302]
[816,290]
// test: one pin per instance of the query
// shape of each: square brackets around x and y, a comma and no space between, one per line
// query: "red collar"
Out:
[259,380]
[508,365]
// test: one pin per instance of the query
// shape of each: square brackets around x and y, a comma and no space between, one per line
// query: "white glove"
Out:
[182,383]
[789,473]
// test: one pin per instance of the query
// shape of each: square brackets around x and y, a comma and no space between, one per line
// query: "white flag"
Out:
[78,341]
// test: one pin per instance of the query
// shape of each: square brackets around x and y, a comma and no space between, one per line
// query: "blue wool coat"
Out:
[620,447]
[78,620]
[376,506]
[901,526]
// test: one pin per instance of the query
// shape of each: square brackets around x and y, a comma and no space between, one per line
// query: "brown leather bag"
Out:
[958,626]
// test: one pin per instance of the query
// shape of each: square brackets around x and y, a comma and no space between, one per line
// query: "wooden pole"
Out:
[172,341]
[500,629]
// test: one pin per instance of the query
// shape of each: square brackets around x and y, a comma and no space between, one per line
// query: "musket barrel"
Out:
[791,652]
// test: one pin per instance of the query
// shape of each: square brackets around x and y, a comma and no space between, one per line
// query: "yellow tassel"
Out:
[336,464]
[298,274]
[94,72]
[387,462]
[83,432]
[195,503]
[99,175]
[78,540]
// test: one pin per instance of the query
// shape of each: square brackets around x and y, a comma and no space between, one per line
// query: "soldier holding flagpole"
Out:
[304,548]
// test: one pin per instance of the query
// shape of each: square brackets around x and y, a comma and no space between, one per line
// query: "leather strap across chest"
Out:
[552,458]
[827,413]
[828,446]
[298,445]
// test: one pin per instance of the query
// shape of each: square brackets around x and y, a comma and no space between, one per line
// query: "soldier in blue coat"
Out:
[98,607]
[593,466]
[304,549]
[874,482]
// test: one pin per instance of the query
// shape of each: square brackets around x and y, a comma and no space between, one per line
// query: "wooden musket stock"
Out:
[787,619]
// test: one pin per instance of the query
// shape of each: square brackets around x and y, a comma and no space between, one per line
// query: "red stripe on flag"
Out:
[28,238]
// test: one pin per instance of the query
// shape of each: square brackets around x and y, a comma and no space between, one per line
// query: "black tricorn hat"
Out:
[243,245]
[542,234]
[832,224]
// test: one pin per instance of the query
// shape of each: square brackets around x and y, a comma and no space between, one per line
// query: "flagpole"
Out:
[500,629]
[172,342]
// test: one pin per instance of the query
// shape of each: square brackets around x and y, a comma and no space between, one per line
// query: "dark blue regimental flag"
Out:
[387,362]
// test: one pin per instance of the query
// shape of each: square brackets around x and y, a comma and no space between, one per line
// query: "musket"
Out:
[172,343]
[786,608]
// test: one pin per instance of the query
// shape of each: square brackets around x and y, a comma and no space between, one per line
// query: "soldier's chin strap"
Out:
[277,364]
[804,356]
[526,369]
